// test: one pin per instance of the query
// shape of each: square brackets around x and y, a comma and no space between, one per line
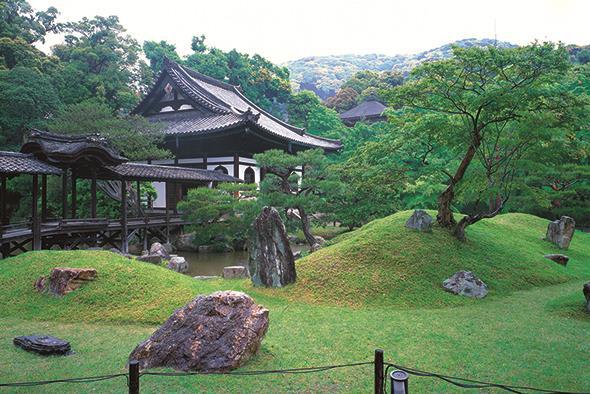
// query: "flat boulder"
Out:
[420,220]
[558,258]
[270,259]
[159,249]
[150,258]
[43,344]
[62,281]
[214,333]
[465,283]
[561,231]
[235,272]
[586,291]
[178,264]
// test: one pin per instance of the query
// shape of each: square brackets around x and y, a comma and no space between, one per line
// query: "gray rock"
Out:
[235,272]
[558,258]
[297,255]
[150,258]
[586,291]
[205,248]
[561,231]
[186,243]
[271,260]
[420,220]
[467,284]
[159,249]
[213,333]
[178,264]
[43,344]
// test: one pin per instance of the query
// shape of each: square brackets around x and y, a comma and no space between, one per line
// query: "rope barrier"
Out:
[89,379]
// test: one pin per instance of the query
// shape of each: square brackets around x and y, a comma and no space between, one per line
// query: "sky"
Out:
[289,30]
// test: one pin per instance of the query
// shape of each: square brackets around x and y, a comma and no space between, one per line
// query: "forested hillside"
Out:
[325,74]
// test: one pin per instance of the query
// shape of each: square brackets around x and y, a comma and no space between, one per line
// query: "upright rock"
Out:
[270,257]
[465,283]
[178,264]
[213,333]
[586,291]
[420,220]
[561,231]
[160,250]
[61,281]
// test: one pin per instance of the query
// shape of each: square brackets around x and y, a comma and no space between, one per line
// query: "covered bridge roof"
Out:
[13,163]
[151,172]
[226,106]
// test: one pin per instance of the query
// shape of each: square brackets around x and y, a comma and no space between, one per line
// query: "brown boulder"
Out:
[586,291]
[61,281]
[213,333]
[558,258]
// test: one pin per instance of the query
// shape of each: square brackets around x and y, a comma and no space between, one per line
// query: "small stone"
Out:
[558,258]
[62,281]
[586,291]
[43,344]
[213,333]
[561,231]
[206,277]
[235,272]
[467,284]
[178,264]
[150,258]
[420,220]
[159,249]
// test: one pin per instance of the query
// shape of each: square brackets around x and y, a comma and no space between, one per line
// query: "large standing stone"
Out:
[61,281]
[420,220]
[178,264]
[159,249]
[467,284]
[561,231]
[586,291]
[213,333]
[43,344]
[270,257]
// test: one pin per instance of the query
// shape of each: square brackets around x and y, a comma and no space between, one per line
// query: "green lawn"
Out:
[531,331]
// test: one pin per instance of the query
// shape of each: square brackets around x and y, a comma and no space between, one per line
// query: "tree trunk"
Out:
[468,220]
[445,216]
[305,226]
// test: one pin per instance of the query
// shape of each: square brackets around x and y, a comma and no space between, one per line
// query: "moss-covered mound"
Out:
[384,263]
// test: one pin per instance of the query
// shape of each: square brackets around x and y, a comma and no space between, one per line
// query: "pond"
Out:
[207,264]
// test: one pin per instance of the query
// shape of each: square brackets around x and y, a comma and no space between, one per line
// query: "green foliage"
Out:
[157,51]
[221,215]
[19,20]
[27,98]
[134,136]
[369,84]
[343,100]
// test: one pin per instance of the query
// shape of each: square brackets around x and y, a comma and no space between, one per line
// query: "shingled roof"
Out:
[151,172]
[229,108]
[366,110]
[13,163]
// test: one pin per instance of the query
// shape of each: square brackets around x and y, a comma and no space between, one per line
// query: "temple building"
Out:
[369,111]
[210,124]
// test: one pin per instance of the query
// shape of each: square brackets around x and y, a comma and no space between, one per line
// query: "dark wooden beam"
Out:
[138,199]
[74,195]
[36,225]
[93,196]
[64,194]
[236,165]
[5,247]
[124,240]
[43,197]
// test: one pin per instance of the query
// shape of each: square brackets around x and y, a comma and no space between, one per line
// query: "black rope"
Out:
[477,384]
[292,371]
[89,379]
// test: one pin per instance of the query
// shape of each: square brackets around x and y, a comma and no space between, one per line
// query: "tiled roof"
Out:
[364,110]
[151,172]
[232,107]
[20,163]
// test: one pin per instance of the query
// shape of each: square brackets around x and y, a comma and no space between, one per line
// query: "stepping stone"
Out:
[43,344]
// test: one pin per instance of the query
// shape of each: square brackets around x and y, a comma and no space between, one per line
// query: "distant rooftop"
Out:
[366,110]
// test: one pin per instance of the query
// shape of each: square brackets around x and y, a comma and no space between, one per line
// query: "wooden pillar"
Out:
[3,215]
[93,196]
[138,187]
[236,165]
[64,194]
[36,228]
[43,197]
[74,195]
[167,204]
[124,243]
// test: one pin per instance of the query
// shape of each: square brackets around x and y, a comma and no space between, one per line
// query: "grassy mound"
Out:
[125,290]
[384,263]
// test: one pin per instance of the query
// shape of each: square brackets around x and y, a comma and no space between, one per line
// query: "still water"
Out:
[213,263]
